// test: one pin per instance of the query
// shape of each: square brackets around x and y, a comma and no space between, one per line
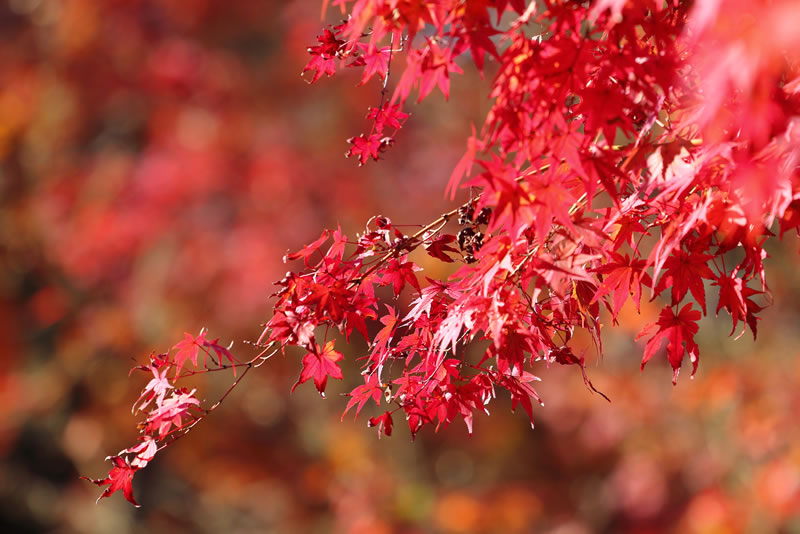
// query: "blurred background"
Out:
[157,160]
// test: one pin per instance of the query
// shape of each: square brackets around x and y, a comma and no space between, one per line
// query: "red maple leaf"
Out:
[623,231]
[791,217]
[319,366]
[623,276]
[171,412]
[320,64]
[383,422]
[519,386]
[384,337]
[365,147]
[188,350]
[119,478]
[388,115]
[222,352]
[478,40]
[398,272]
[503,193]
[323,60]
[685,271]
[144,451]
[333,300]
[336,252]
[307,250]
[371,389]
[360,308]
[437,64]
[735,297]
[677,329]
[374,60]
[155,389]
[440,245]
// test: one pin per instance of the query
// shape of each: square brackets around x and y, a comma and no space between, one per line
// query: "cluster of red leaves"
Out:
[620,156]
[170,411]
[337,48]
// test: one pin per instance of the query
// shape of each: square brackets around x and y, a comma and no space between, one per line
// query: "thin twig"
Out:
[181,431]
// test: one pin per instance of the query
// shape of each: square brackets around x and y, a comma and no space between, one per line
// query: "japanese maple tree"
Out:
[633,149]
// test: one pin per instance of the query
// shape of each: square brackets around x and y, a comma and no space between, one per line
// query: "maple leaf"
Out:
[436,65]
[145,451]
[422,304]
[320,64]
[464,165]
[380,348]
[791,217]
[307,250]
[290,327]
[365,147]
[319,366]
[374,60]
[623,277]
[383,422]
[440,245]
[685,271]
[510,199]
[735,297]
[336,252]
[371,389]
[623,231]
[388,115]
[398,272]
[171,412]
[120,477]
[552,203]
[478,40]
[518,384]
[360,308]
[222,352]
[188,349]
[333,300]
[323,60]
[678,329]
[156,389]
[673,232]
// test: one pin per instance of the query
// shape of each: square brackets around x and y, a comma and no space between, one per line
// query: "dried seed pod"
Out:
[465,214]
[477,241]
[465,237]
[483,216]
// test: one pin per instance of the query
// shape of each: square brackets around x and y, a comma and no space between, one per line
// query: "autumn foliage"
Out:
[634,150]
